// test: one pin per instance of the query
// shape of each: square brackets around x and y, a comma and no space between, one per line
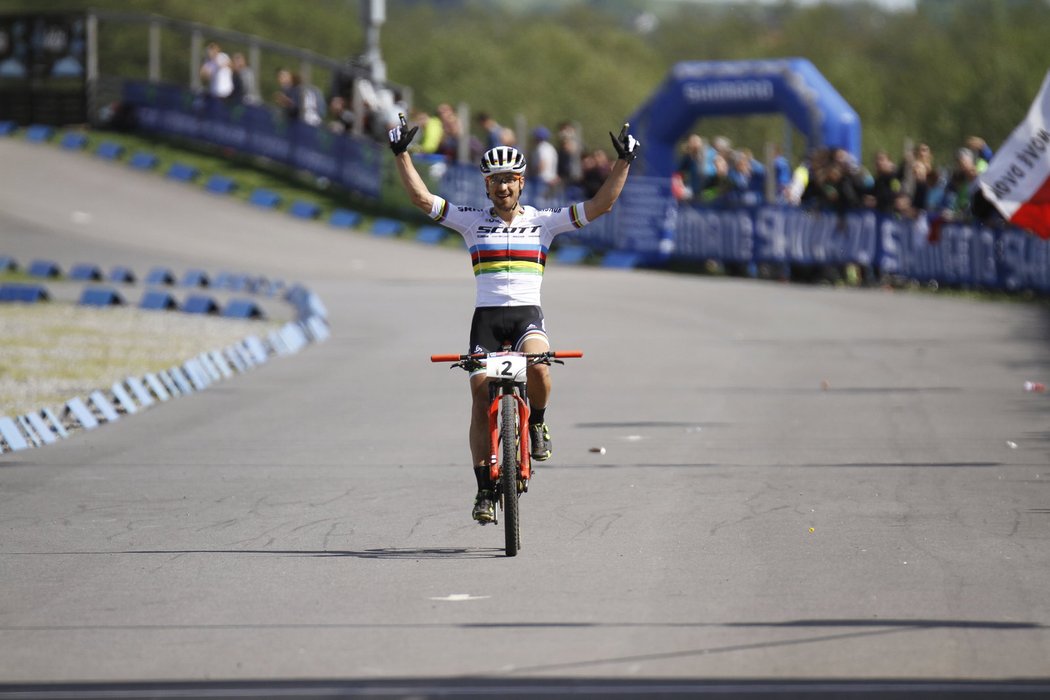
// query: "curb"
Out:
[134,394]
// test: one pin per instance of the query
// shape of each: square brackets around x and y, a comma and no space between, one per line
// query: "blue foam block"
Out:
[183,172]
[119,273]
[620,259]
[140,391]
[39,133]
[182,382]
[81,413]
[265,198]
[344,218]
[432,234]
[158,301]
[44,268]
[73,141]
[109,150]
[85,272]
[123,399]
[56,424]
[387,227]
[7,263]
[200,304]
[169,384]
[194,278]
[7,128]
[45,431]
[28,430]
[12,435]
[101,296]
[242,308]
[572,254]
[26,293]
[156,386]
[99,401]
[231,281]
[160,275]
[220,184]
[143,161]
[305,210]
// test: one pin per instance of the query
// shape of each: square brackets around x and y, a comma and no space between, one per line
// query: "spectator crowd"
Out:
[711,173]
[831,179]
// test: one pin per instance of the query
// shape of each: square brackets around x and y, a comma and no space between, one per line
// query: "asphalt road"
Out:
[803,489]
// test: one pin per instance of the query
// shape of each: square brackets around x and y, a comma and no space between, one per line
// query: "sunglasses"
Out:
[504,179]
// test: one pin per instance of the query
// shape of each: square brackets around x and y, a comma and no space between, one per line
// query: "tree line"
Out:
[947,70]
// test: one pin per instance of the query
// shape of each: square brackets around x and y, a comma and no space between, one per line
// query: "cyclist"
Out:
[508,244]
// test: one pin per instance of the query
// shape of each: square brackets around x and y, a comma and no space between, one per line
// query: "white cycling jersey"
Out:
[508,259]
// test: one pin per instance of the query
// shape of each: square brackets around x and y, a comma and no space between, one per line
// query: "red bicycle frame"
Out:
[500,388]
[524,448]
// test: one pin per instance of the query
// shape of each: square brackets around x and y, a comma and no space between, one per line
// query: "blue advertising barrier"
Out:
[965,255]
[170,110]
[647,224]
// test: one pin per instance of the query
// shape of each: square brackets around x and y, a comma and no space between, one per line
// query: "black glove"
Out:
[627,147]
[401,136]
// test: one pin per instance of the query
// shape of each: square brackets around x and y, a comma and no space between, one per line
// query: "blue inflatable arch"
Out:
[697,89]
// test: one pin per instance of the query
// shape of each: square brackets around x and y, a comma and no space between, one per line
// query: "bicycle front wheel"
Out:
[508,472]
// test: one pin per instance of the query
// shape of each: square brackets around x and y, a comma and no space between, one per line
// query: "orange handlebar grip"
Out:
[445,358]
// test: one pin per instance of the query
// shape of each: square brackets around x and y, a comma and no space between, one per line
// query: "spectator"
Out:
[751,175]
[832,185]
[245,87]
[740,175]
[570,152]
[595,167]
[451,131]
[723,147]
[692,166]
[217,72]
[287,95]
[982,153]
[390,106]
[885,186]
[781,175]
[340,116]
[920,179]
[954,204]
[492,131]
[311,102]
[431,131]
[717,186]
[544,166]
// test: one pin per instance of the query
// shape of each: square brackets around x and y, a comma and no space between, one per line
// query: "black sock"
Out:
[536,416]
[482,475]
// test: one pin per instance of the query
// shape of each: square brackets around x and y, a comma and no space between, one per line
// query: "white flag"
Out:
[1017,181]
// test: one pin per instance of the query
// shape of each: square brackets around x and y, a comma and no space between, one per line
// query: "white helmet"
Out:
[503,159]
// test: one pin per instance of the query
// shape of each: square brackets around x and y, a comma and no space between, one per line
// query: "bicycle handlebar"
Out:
[550,354]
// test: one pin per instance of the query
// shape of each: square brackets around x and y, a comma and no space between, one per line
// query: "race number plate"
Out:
[506,366]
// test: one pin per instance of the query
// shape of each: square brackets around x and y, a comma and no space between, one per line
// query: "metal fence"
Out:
[130,45]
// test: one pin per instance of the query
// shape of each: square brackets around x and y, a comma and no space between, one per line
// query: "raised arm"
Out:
[417,190]
[627,148]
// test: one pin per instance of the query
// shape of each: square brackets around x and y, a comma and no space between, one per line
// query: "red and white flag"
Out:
[1017,181]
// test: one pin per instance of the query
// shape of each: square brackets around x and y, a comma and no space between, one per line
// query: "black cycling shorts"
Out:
[495,326]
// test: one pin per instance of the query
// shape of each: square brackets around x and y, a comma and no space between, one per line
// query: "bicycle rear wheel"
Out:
[508,473]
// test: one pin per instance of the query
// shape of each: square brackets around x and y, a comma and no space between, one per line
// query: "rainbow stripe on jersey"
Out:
[492,258]
[508,258]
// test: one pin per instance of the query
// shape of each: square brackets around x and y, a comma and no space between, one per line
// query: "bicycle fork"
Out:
[524,451]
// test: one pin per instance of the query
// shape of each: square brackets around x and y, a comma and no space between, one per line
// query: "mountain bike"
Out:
[510,465]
